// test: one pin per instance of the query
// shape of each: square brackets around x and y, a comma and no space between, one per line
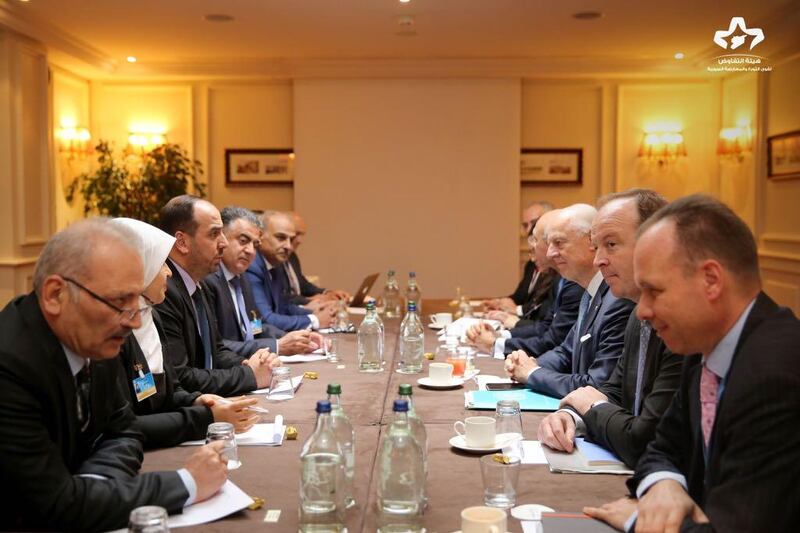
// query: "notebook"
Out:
[528,400]
[581,458]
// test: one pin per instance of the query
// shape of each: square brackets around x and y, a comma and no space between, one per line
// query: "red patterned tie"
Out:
[709,384]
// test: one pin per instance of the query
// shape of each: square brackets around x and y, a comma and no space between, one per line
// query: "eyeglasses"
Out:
[127,314]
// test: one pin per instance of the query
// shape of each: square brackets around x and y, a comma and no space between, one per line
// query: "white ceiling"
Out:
[272,36]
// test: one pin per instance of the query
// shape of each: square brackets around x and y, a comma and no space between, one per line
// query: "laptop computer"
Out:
[363,290]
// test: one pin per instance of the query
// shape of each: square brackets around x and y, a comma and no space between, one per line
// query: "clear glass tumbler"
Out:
[224,431]
[280,387]
[148,519]
[509,427]
[500,477]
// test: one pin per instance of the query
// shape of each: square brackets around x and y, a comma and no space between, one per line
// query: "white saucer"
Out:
[530,511]
[460,442]
[454,382]
[437,326]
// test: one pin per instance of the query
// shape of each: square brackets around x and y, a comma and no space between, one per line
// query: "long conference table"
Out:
[454,479]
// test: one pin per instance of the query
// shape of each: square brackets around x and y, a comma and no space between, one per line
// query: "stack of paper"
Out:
[302,358]
[586,458]
[285,388]
[258,435]
[459,327]
[528,400]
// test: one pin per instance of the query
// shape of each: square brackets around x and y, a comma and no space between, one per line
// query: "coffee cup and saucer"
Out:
[440,320]
[477,434]
[440,376]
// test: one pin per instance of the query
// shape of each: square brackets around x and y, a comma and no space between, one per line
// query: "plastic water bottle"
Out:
[322,477]
[412,342]
[391,296]
[401,475]
[346,437]
[413,293]
[370,342]
[418,430]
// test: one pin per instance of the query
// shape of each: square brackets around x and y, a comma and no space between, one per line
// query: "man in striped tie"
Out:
[725,454]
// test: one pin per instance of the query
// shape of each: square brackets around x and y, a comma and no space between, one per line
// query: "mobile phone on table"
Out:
[504,386]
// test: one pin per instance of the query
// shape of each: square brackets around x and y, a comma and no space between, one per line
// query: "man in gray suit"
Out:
[622,414]
[589,353]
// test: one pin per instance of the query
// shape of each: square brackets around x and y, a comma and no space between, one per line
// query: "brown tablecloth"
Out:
[454,482]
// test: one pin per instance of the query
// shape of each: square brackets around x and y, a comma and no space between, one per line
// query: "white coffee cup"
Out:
[483,520]
[441,319]
[478,431]
[440,373]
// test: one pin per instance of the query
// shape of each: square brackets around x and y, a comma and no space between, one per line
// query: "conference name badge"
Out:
[144,386]
[255,325]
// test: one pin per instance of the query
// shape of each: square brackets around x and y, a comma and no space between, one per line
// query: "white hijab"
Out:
[154,246]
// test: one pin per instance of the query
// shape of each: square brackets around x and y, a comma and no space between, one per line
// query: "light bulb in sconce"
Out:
[73,141]
[735,142]
[662,147]
[144,141]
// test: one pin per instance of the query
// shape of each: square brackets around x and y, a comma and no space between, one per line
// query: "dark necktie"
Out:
[584,307]
[294,282]
[202,324]
[244,323]
[83,388]
[644,340]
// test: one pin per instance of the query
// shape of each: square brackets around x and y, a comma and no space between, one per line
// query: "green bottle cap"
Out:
[334,388]
[404,390]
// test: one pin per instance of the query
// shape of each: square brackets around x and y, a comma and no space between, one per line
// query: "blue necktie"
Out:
[644,340]
[244,323]
[585,300]
[202,324]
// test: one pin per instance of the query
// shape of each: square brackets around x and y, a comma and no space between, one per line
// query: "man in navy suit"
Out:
[725,454]
[232,298]
[594,344]
[269,284]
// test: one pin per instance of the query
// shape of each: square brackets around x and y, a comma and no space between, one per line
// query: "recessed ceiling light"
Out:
[587,15]
[217,17]
[404,1]
[679,55]
[131,59]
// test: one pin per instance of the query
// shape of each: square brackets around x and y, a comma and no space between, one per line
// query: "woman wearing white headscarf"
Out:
[166,414]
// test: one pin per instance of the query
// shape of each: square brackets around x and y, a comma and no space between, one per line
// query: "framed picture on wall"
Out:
[783,155]
[259,166]
[551,165]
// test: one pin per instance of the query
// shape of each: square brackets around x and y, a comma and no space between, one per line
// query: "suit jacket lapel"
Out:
[188,303]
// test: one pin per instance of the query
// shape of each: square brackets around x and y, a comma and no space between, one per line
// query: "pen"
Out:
[254,408]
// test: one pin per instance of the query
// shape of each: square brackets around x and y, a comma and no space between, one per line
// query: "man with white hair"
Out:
[589,353]
[69,458]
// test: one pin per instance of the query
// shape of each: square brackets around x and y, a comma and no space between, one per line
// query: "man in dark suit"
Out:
[268,281]
[195,349]
[518,303]
[724,457]
[232,298]
[549,321]
[620,415]
[591,349]
[69,458]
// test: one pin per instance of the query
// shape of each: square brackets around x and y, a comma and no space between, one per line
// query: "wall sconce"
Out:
[74,142]
[662,147]
[734,143]
[141,142]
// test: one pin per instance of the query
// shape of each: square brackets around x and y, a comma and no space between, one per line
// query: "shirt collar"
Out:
[720,359]
[76,362]
[594,284]
[191,285]
[225,272]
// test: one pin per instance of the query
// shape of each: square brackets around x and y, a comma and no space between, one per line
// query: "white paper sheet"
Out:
[357,310]
[483,379]
[532,453]
[302,358]
[459,327]
[530,526]
[296,380]
[258,435]
[228,500]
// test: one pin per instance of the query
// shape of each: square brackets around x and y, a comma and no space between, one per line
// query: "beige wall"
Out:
[411,175]
[780,218]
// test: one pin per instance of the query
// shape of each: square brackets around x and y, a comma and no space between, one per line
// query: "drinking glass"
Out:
[500,480]
[224,431]
[333,349]
[509,427]
[280,387]
[148,519]
[342,317]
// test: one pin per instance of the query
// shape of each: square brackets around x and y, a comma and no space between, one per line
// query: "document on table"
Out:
[302,358]
[578,462]
[532,453]
[597,455]
[258,435]
[228,500]
[565,523]
[285,388]
[528,400]
[459,327]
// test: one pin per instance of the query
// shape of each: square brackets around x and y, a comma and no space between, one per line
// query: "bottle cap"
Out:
[400,406]
[404,390]
[391,273]
[334,388]
[370,305]
[412,306]
[324,406]
[412,274]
